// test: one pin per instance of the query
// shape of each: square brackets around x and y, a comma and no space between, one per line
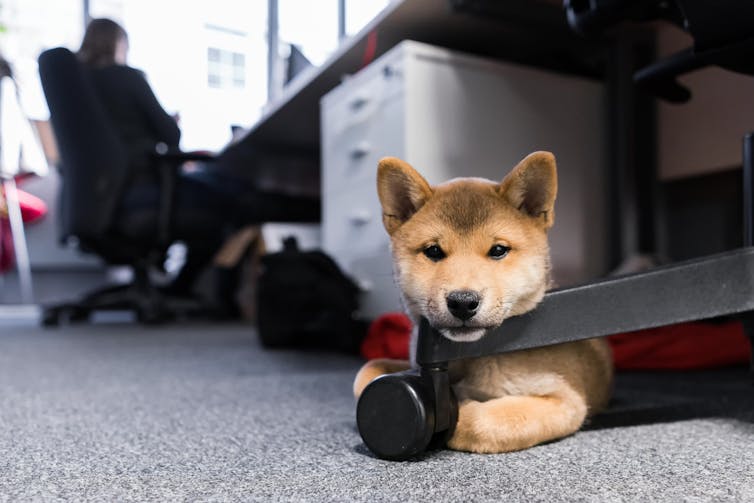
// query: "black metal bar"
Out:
[645,145]
[748,224]
[747,319]
[748,179]
[631,168]
[621,190]
[717,285]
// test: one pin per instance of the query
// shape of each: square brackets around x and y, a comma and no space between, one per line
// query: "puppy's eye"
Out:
[498,251]
[434,253]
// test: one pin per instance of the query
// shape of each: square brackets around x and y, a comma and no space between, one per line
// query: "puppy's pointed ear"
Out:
[532,186]
[402,191]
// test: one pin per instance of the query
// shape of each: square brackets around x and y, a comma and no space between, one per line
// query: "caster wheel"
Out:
[78,314]
[396,415]
[150,316]
[50,317]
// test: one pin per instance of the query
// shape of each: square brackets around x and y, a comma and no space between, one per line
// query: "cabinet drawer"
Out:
[358,98]
[352,220]
[350,158]
[374,276]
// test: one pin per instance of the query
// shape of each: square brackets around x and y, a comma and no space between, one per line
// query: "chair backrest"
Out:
[93,160]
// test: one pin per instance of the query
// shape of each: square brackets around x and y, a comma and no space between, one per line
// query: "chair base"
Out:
[150,305]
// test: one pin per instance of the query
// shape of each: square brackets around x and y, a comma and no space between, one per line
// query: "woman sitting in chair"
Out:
[142,124]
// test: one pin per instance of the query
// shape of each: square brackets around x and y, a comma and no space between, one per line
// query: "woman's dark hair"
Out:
[100,40]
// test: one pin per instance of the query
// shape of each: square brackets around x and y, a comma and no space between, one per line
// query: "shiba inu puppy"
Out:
[468,254]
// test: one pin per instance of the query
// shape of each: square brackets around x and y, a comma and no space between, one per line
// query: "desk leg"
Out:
[747,319]
[748,220]
[631,171]
[748,189]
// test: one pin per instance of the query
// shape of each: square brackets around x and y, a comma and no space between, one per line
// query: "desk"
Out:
[525,31]
[532,32]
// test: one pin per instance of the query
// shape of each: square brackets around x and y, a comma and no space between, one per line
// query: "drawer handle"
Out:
[359,102]
[360,150]
[359,218]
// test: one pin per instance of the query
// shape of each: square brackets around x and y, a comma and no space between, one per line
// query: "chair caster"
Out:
[151,316]
[78,314]
[54,316]
[50,317]
[397,415]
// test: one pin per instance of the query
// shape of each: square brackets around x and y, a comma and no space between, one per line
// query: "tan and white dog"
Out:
[468,254]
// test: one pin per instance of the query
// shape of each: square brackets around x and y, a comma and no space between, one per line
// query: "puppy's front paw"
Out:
[489,428]
[512,423]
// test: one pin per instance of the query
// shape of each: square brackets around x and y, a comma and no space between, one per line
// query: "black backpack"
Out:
[305,300]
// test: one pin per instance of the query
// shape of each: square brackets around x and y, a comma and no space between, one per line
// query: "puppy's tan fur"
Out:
[511,401]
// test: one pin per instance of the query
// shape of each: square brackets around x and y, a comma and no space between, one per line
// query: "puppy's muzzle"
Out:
[463,304]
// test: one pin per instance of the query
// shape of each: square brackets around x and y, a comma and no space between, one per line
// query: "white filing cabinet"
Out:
[451,115]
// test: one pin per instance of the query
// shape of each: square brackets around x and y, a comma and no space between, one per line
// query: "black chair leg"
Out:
[748,230]
[747,319]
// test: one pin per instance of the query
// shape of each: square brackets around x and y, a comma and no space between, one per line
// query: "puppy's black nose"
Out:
[462,304]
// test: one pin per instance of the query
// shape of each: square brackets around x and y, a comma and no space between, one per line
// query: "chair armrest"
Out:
[163,152]
[168,161]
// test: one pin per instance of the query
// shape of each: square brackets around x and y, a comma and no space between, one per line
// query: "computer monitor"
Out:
[296,63]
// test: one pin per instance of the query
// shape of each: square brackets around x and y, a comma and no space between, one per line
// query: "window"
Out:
[310,26]
[225,69]
[209,65]
[30,27]
[360,12]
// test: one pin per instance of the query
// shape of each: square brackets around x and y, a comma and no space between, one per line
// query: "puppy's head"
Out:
[470,252]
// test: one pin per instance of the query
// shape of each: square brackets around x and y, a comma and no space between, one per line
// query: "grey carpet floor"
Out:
[202,413]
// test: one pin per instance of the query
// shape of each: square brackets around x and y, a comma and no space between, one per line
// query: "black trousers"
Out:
[208,207]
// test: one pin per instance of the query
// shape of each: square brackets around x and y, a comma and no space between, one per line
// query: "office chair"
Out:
[401,415]
[723,36]
[94,167]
